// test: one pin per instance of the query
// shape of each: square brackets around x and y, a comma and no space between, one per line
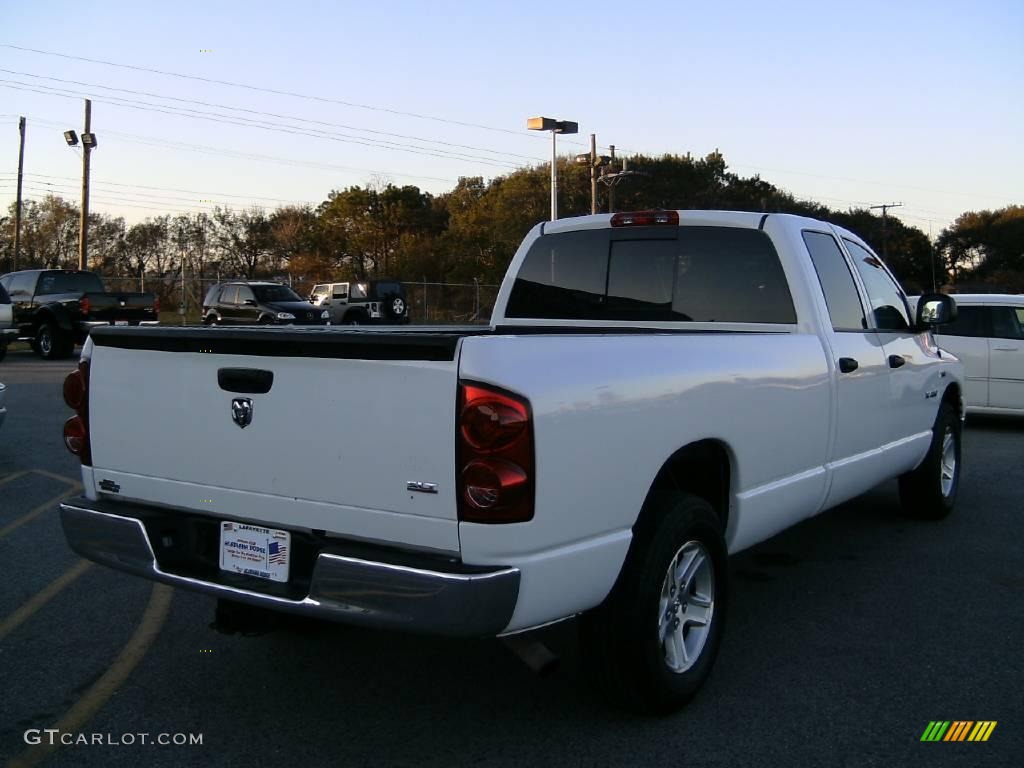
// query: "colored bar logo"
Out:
[958,730]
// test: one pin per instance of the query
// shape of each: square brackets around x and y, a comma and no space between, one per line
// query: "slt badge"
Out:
[241,411]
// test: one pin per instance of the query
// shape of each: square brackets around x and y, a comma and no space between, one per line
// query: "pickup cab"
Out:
[55,309]
[657,390]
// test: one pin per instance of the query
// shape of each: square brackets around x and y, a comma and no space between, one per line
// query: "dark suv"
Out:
[250,303]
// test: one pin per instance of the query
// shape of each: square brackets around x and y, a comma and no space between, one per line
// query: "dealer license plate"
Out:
[261,552]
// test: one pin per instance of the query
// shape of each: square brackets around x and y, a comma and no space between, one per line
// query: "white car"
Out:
[657,389]
[988,337]
[8,332]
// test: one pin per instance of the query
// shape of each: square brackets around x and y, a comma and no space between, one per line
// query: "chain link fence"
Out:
[429,303]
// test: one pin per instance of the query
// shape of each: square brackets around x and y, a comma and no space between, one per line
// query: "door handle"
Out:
[1004,349]
[848,364]
[896,361]
[246,381]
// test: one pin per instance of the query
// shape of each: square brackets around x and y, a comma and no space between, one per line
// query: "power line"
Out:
[293,118]
[156,141]
[864,181]
[176,189]
[250,123]
[278,92]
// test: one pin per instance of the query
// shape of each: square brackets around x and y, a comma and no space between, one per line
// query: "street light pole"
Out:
[554,176]
[83,229]
[556,127]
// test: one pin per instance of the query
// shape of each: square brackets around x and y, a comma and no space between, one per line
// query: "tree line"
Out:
[472,231]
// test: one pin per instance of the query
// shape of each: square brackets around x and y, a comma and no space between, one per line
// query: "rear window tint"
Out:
[68,282]
[701,274]
[970,321]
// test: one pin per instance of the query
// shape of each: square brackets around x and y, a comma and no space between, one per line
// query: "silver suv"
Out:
[377,302]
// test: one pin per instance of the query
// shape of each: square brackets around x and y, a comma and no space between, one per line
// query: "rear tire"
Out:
[52,343]
[653,641]
[3,350]
[929,492]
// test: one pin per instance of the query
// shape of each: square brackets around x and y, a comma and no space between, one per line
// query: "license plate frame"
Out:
[253,550]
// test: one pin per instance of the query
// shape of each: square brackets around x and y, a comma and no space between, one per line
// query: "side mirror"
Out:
[934,309]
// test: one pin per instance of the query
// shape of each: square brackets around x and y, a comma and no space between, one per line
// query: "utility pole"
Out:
[611,187]
[595,161]
[83,228]
[593,174]
[885,210]
[17,209]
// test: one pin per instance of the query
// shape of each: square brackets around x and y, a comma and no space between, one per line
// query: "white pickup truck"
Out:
[656,390]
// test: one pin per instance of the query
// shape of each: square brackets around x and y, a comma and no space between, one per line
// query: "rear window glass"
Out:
[4,298]
[700,274]
[68,282]
[385,288]
[276,293]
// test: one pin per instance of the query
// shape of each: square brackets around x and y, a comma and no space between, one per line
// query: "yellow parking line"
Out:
[37,511]
[12,476]
[55,476]
[42,597]
[100,692]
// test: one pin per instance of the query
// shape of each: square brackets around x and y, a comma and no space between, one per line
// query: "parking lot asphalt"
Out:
[846,636]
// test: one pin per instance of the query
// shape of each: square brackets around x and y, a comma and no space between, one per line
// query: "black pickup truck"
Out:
[55,309]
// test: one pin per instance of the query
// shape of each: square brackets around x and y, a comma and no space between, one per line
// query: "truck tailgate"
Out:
[113,307]
[350,418]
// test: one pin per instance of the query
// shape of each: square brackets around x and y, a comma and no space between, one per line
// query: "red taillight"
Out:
[75,436]
[76,429]
[74,389]
[83,305]
[156,306]
[645,218]
[495,456]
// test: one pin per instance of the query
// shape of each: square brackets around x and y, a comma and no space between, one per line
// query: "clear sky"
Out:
[846,103]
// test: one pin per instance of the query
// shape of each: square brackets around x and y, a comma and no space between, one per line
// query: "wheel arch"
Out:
[51,314]
[954,396]
[704,468]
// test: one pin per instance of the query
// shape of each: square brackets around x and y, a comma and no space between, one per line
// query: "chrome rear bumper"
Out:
[343,588]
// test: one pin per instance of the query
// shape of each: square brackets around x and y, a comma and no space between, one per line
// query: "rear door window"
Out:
[229,295]
[1004,323]
[245,294]
[841,295]
[4,298]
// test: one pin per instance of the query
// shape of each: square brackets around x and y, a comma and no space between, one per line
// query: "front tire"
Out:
[652,643]
[929,492]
